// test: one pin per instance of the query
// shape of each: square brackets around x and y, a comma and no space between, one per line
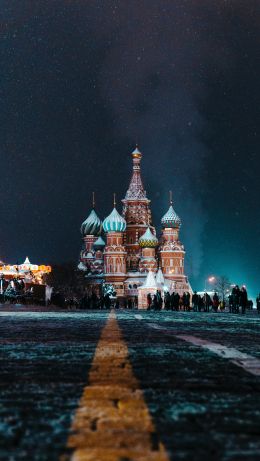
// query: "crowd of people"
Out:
[236,302]
[15,291]
[92,301]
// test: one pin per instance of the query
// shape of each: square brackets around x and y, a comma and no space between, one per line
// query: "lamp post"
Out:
[210,280]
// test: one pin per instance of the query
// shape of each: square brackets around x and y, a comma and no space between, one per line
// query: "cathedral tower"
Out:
[148,242]
[90,230]
[172,251]
[115,254]
[136,211]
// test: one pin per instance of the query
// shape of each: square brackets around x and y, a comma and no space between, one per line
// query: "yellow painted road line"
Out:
[112,422]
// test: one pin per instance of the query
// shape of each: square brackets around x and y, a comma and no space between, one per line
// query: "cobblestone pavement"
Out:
[86,386]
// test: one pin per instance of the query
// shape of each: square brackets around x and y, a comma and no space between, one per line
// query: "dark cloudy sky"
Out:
[81,81]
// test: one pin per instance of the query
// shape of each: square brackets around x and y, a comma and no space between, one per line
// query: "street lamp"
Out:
[210,280]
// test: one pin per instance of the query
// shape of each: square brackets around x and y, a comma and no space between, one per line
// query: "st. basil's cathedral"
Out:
[123,250]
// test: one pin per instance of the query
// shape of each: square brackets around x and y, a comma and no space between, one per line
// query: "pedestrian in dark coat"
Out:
[201,303]
[149,301]
[215,302]
[195,301]
[243,299]
[107,301]
[258,303]
[172,301]
[176,301]
[159,300]
[155,302]
[167,301]
[207,302]
[236,298]
[186,301]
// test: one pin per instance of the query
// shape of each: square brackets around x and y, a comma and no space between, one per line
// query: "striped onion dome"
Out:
[171,219]
[99,243]
[114,222]
[91,225]
[148,239]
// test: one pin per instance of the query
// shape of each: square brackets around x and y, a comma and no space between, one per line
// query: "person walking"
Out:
[159,300]
[195,301]
[107,301]
[215,302]
[207,302]
[243,299]
[149,301]
[176,301]
[167,301]
[236,299]
[200,303]
[129,303]
[258,303]
[172,300]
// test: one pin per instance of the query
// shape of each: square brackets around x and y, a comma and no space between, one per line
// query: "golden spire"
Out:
[114,200]
[136,154]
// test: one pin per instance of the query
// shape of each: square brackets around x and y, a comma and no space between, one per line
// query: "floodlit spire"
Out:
[136,188]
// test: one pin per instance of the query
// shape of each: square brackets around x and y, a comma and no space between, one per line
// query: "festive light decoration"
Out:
[25,270]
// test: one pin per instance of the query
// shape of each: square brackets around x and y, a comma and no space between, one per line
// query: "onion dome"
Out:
[99,244]
[148,240]
[171,219]
[92,225]
[114,222]
[136,153]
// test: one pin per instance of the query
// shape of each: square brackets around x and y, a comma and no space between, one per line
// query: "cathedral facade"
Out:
[123,249]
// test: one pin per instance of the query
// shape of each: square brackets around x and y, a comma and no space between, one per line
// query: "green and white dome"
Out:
[171,219]
[92,225]
[114,222]
[148,240]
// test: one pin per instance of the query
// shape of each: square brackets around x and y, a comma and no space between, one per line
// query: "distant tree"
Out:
[222,285]
[65,277]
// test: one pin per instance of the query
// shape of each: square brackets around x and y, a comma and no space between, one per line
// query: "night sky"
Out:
[82,81]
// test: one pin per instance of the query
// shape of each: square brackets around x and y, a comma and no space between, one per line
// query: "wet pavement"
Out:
[195,403]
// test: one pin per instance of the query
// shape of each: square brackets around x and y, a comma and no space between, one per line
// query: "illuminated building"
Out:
[124,249]
[26,271]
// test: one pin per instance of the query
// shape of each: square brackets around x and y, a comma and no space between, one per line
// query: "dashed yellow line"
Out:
[112,422]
